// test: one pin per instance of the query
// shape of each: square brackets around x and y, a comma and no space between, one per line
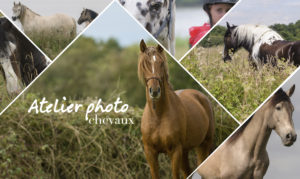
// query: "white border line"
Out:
[99,15]
[178,63]
[212,28]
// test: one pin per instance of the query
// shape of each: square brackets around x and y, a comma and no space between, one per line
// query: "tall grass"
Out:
[50,45]
[240,88]
[66,146]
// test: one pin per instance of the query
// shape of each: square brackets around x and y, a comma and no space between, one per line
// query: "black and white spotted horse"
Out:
[157,16]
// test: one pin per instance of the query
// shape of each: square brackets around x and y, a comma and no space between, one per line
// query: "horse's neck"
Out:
[257,133]
[159,107]
[28,15]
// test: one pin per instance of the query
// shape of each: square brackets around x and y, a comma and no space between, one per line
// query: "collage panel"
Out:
[20,62]
[178,25]
[248,55]
[52,24]
[113,95]
[265,146]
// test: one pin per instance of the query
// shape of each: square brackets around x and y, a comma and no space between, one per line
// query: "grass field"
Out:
[51,46]
[238,87]
[66,146]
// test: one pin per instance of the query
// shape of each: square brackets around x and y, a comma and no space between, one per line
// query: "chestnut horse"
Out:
[173,122]
[244,155]
[263,44]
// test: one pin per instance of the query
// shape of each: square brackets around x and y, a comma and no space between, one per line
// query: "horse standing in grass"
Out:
[173,122]
[263,44]
[157,16]
[87,16]
[244,154]
[23,61]
[57,25]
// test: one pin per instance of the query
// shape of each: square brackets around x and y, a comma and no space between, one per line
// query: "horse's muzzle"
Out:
[227,58]
[290,139]
[14,18]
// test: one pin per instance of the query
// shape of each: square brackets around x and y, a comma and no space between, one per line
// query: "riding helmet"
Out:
[206,3]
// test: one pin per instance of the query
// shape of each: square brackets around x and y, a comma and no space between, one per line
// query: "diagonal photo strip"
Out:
[52,24]
[108,106]
[28,63]
[242,60]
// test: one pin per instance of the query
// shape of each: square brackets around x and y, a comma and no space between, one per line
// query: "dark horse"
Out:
[263,44]
[23,61]
[87,16]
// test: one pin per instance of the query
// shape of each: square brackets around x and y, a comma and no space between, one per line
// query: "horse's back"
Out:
[200,118]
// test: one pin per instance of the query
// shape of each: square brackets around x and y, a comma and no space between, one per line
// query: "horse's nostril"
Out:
[150,90]
[289,136]
[158,89]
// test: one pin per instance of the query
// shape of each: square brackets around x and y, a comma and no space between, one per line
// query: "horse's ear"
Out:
[19,3]
[291,91]
[159,48]
[228,25]
[14,3]
[143,46]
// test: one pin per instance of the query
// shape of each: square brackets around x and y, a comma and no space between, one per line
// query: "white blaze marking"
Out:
[154,60]
[12,83]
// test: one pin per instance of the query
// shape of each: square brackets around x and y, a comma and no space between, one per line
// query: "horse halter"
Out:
[167,21]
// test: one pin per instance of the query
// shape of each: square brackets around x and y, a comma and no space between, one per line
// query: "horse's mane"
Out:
[25,7]
[144,68]
[92,13]
[251,35]
[3,42]
[279,96]
[239,132]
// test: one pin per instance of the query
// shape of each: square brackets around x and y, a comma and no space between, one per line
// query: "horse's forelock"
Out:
[279,96]
[144,66]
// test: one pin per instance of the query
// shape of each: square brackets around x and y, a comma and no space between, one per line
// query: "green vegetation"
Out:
[65,145]
[238,87]
[289,32]
[214,38]
[182,46]
[188,3]
[51,46]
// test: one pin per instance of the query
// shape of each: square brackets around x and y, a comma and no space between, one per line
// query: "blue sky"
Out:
[265,12]
[116,23]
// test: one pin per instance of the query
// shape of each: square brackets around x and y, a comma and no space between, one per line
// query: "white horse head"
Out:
[17,11]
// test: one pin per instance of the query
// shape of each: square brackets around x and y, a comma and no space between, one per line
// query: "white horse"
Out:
[157,16]
[57,25]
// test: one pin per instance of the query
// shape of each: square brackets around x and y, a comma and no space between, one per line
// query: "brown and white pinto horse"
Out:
[173,122]
[263,44]
[244,154]
[21,61]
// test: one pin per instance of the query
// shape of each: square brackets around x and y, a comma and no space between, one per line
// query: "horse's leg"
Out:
[152,159]
[176,157]
[205,148]
[185,164]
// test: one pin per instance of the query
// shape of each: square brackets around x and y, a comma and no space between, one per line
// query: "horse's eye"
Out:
[155,6]
[278,108]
